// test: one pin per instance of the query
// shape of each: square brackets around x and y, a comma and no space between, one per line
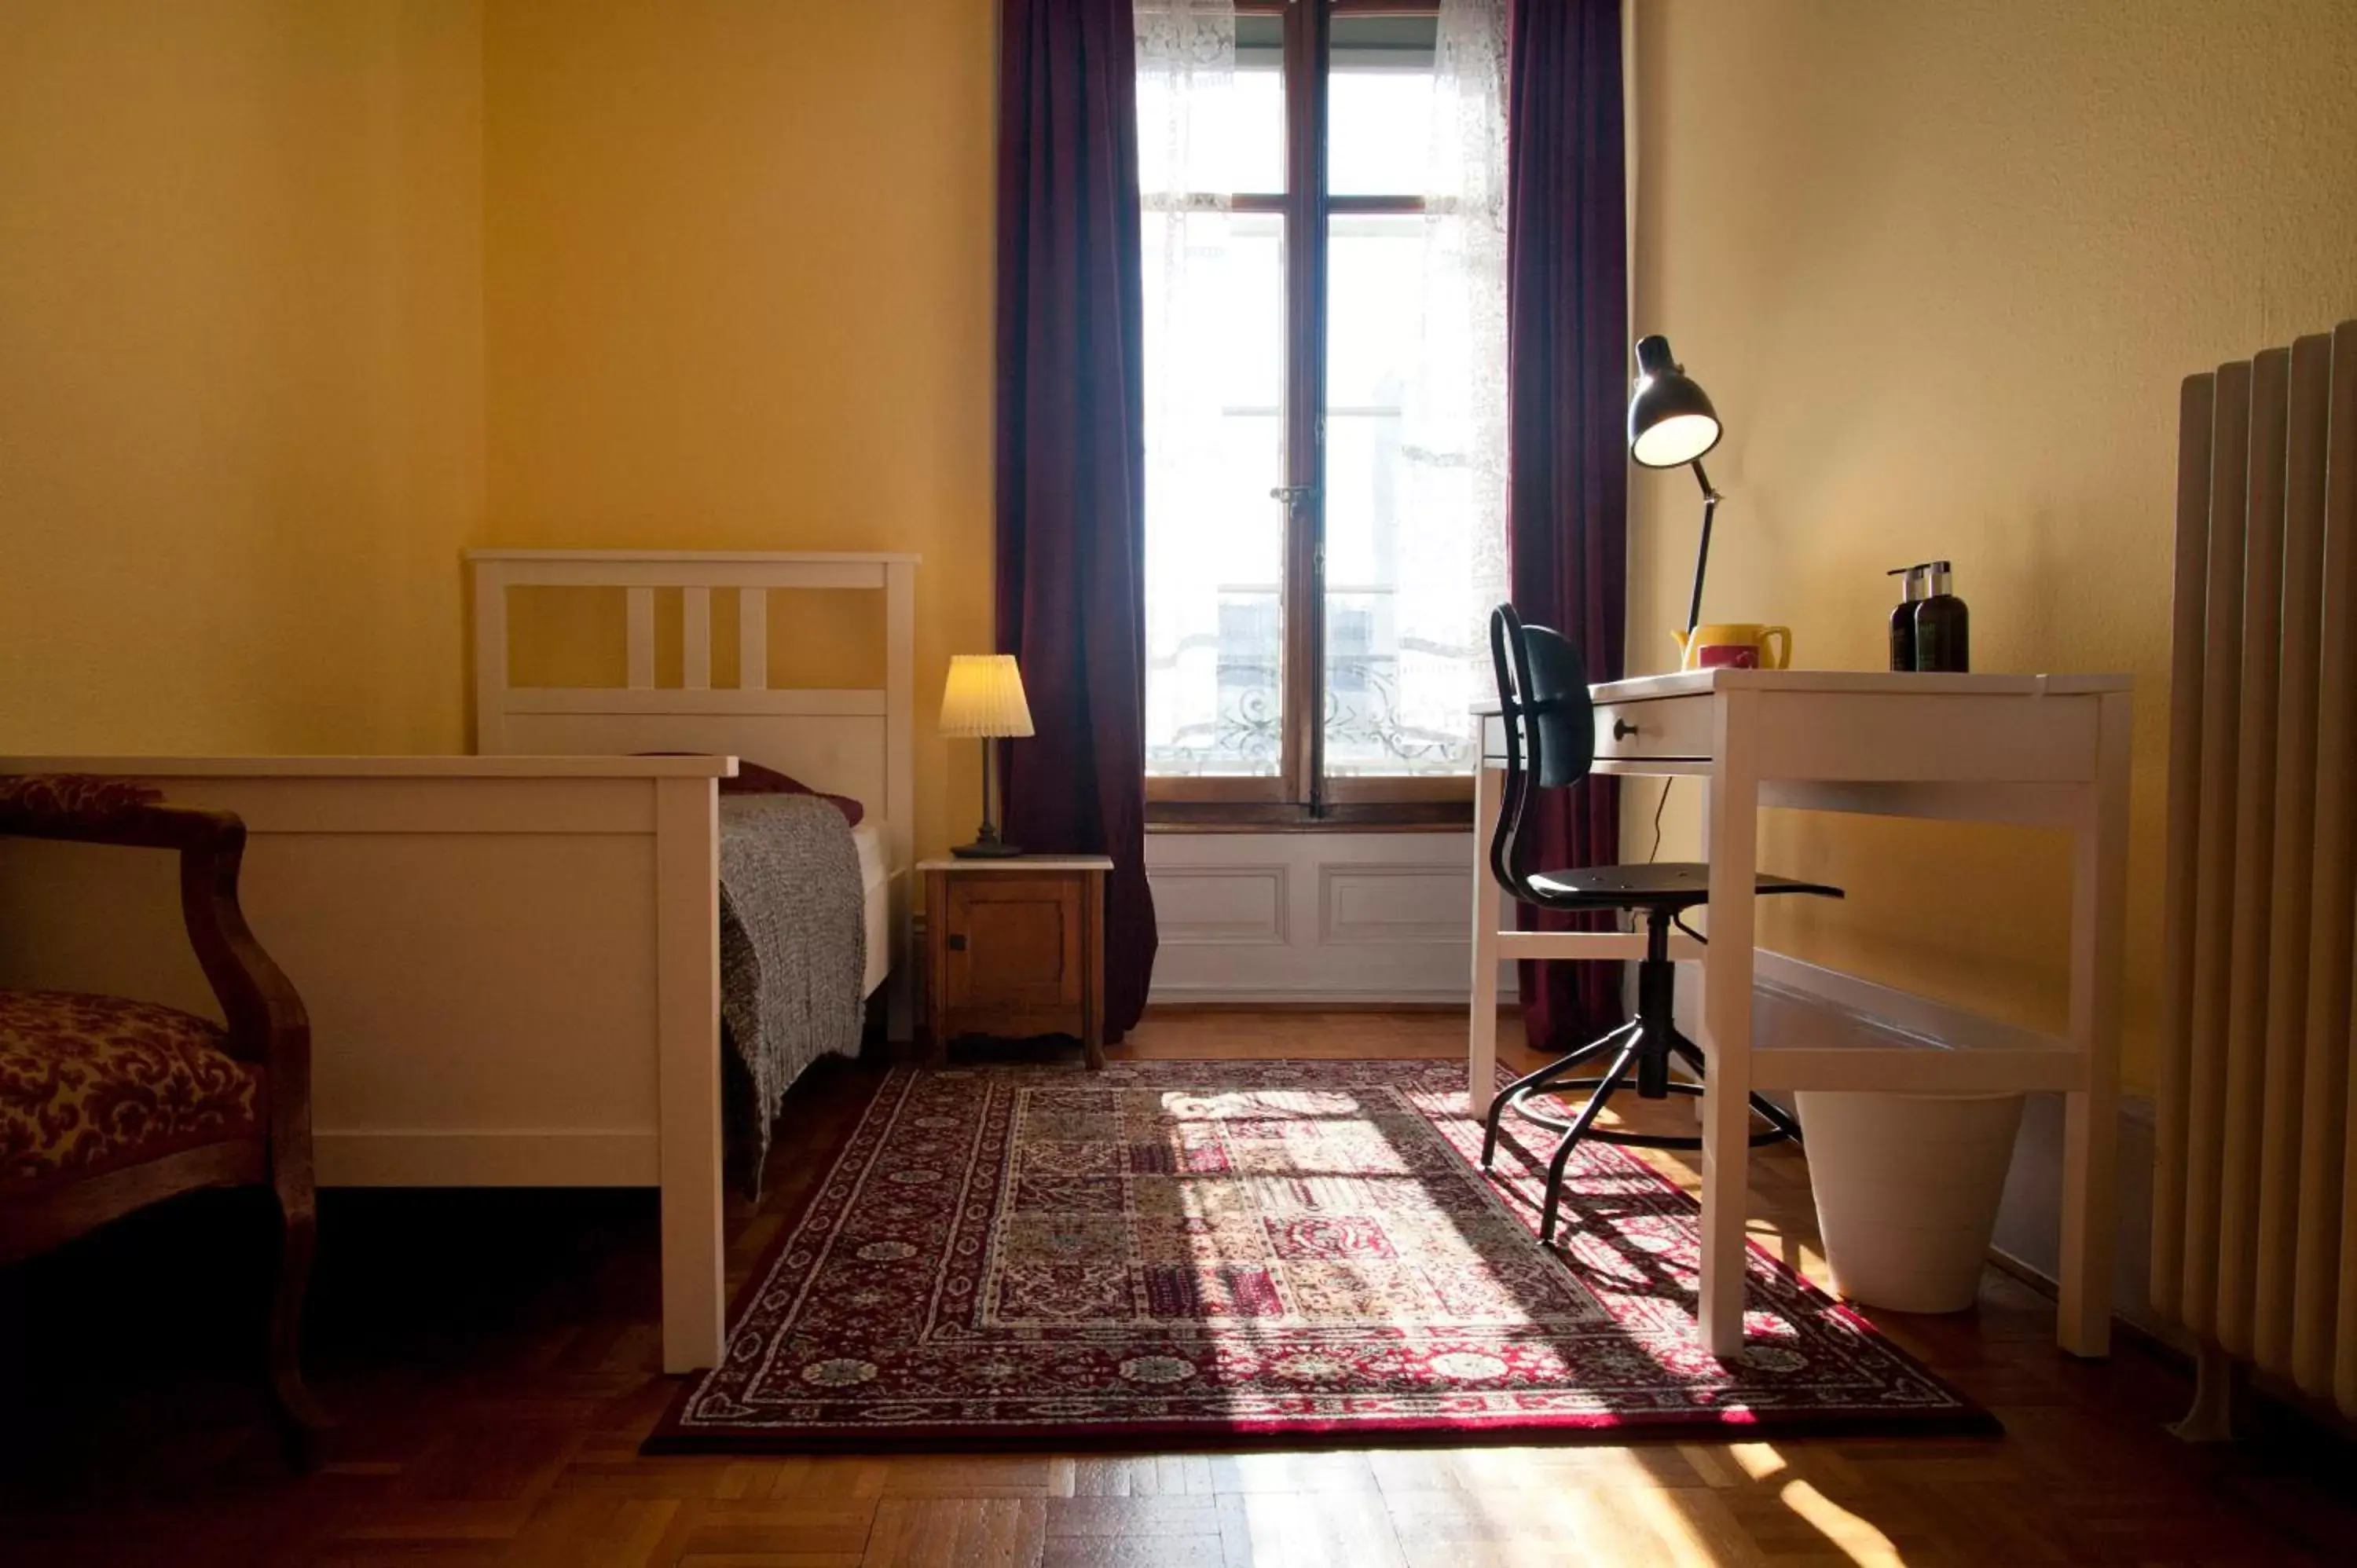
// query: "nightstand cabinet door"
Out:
[1015,947]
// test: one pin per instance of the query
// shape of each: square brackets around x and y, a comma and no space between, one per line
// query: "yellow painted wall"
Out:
[241,340]
[740,296]
[1942,267]
[298,300]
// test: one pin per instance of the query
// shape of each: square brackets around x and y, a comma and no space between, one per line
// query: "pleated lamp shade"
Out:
[984,699]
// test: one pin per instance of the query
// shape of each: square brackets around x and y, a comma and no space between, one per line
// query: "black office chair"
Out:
[1550,726]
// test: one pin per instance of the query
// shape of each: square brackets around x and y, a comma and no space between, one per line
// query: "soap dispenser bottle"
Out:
[1902,620]
[1943,627]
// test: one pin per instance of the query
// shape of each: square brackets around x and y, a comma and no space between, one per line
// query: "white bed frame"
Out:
[511,961]
[858,742]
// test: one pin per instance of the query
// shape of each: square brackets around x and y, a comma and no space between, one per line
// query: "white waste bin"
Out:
[1907,1188]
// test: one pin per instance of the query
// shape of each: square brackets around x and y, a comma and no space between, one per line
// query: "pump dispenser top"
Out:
[1902,620]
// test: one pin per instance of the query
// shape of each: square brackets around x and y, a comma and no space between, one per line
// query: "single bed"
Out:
[511,960]
[628,652]
[852,741]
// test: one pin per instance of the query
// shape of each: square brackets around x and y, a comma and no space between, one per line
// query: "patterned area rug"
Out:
[1224,1252]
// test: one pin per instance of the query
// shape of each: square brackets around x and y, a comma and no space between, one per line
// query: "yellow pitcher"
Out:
[1735,646]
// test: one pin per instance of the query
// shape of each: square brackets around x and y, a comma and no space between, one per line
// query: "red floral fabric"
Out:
[92,1083]
[38,797]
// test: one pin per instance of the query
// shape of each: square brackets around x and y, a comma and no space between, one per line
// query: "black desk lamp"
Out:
[1671,424]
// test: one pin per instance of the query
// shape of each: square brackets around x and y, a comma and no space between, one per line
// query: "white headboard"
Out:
[855,743]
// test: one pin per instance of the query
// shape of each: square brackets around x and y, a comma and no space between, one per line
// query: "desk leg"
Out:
[1733,818]
[1482,1033]
[2090,1117]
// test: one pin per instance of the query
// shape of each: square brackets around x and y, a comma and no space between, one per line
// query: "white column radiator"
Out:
[2254,1221]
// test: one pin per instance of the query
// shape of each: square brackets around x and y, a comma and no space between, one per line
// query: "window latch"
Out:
[1293,495]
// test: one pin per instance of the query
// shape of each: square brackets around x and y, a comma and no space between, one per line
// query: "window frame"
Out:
[1299,795]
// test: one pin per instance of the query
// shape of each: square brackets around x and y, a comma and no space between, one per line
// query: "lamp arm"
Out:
[1710,499]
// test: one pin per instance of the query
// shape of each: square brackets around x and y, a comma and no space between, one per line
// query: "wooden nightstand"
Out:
[1016,948]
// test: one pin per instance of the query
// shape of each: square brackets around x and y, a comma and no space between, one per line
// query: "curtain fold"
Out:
[1070,455]
[1568,335]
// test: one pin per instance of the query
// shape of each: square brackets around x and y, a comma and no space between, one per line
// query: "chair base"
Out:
[1641,1051]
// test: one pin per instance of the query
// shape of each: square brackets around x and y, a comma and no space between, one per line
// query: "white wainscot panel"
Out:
[1395,903]
[1312,917]
[1220,904]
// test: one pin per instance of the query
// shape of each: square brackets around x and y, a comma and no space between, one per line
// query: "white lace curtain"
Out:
[1453,419]
[1214,346]
[1208,519]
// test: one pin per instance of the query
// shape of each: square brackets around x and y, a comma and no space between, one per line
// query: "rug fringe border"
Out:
[1194,1438]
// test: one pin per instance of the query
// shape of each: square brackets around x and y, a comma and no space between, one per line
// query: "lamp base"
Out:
[987,844]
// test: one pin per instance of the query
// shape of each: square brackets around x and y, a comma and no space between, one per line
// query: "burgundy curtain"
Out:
[1070,454]
[1568,338]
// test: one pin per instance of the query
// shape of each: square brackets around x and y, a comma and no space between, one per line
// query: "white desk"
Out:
[2046,750]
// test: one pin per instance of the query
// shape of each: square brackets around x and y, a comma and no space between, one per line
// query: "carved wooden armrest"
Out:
[266,1021]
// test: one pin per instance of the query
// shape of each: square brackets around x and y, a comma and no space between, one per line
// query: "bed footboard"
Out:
[511,966]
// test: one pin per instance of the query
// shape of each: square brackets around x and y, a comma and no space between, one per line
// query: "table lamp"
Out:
[1672,424]
[984,700]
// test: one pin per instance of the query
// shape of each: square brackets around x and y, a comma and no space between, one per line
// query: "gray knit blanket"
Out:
[793,948]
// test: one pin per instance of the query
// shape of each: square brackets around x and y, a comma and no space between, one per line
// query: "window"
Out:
[1324,342]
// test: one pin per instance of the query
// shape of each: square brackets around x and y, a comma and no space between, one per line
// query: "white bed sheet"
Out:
[876,886]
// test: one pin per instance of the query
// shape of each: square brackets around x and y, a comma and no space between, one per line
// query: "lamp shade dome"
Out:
[983,698]
[1670,419]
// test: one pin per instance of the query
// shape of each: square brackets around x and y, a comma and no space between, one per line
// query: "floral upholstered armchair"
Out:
[108,1106]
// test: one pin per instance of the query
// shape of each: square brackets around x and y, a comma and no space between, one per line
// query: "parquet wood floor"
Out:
[492,1359]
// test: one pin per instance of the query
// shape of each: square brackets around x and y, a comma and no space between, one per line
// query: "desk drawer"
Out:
[1660,726]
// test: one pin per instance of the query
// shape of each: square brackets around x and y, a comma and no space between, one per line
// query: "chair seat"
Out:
[1670,884]
[90,1084]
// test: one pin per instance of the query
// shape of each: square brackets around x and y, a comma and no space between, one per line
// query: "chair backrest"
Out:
[1550,725]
